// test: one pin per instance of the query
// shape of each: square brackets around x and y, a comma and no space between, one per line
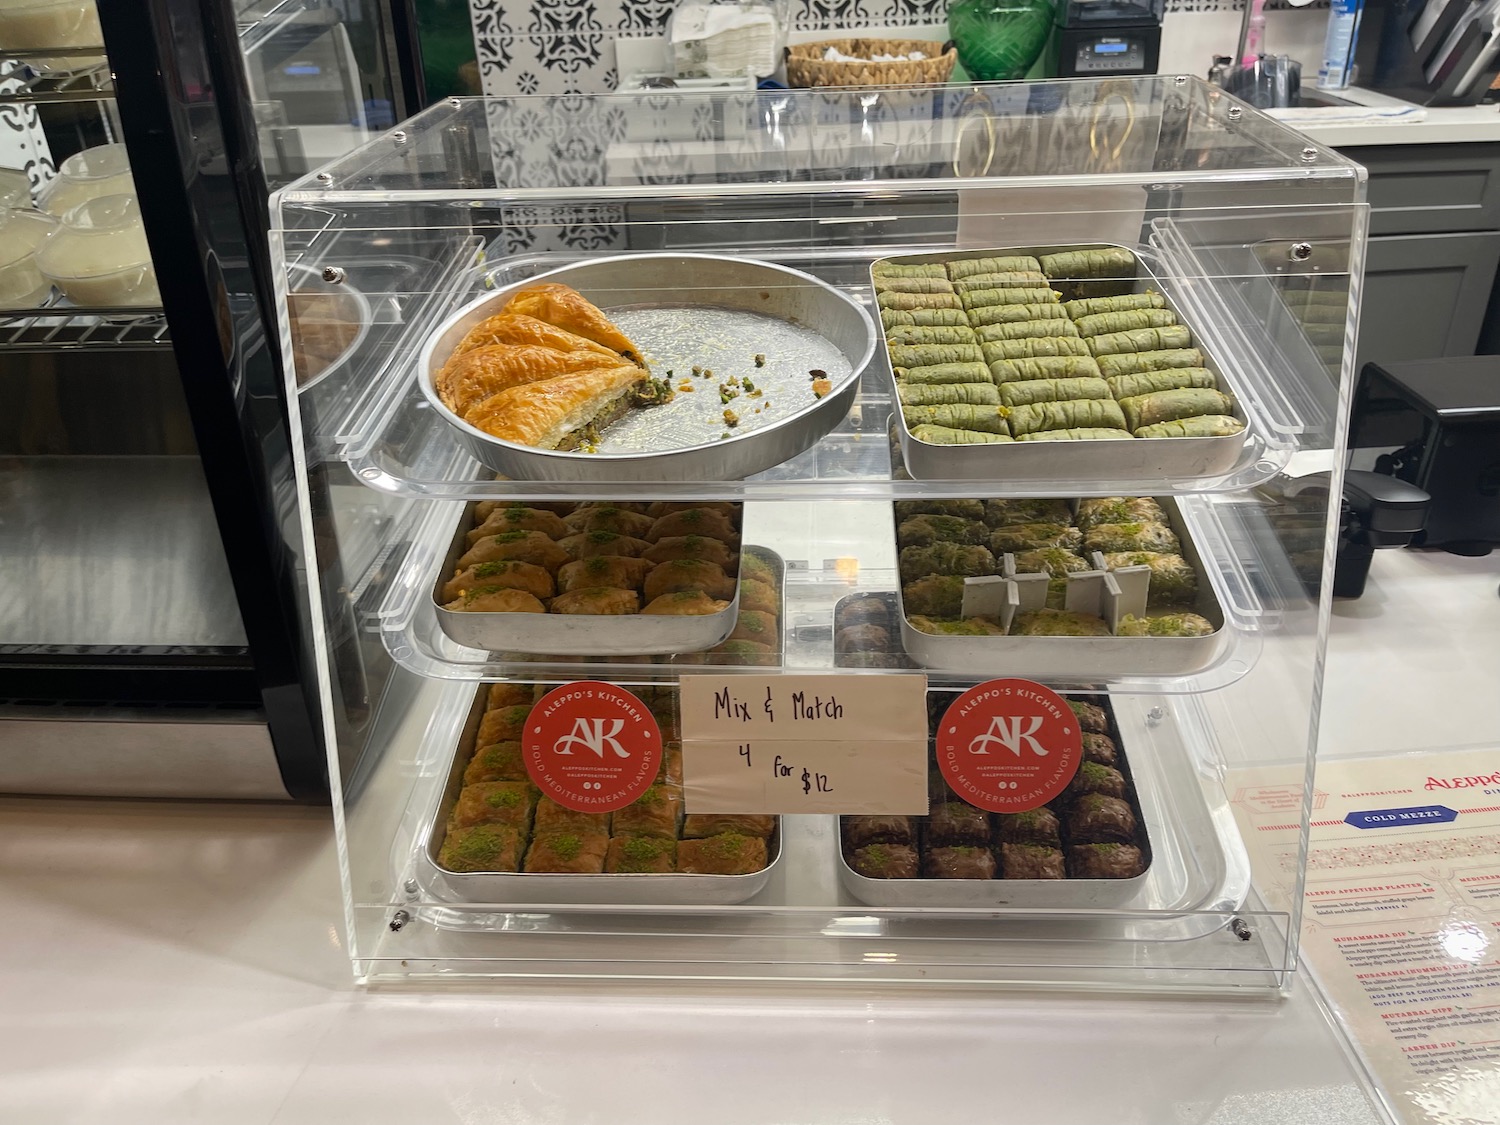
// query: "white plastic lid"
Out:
[15,188]
[31,5]
[102,236]
[96,163]
[21,232]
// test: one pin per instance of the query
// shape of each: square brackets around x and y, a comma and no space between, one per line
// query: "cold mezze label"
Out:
[592,747]
[1009,745]
[811,744]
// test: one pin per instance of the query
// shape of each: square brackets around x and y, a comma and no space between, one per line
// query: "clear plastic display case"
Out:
[1253,234]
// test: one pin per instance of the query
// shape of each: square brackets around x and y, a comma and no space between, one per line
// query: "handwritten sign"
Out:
[805,744]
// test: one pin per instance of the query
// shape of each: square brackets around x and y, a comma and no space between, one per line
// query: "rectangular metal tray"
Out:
[1103,461]
[1026,894]
[1072,658]
[639,889]
[634,634]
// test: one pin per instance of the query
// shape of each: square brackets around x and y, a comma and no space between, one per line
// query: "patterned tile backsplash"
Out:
[23,145]
[567,46]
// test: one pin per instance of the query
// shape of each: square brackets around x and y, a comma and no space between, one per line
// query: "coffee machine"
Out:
[1106,38]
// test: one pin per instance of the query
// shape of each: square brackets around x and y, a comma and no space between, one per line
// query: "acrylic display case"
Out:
[1253,233]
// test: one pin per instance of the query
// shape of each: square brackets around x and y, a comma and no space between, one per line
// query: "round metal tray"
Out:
[684,310]
[354,305]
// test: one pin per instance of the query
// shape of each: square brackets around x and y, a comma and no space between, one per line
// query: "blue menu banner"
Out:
[1402,818]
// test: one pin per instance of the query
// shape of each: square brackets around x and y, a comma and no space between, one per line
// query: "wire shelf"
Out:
[91,81]
[90,328]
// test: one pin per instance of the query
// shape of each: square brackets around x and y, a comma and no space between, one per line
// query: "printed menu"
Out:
[1401,922]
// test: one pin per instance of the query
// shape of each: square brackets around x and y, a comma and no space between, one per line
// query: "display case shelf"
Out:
[1196,907]
[397,443]
[89,80]
[112,553]
[409,628]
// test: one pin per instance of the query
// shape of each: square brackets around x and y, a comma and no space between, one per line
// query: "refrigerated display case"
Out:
[1248,232]
[152,636]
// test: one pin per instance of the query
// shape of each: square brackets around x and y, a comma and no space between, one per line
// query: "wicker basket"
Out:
[805,65]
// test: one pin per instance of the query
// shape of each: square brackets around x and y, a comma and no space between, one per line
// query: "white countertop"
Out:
[182,963]
[1437,125]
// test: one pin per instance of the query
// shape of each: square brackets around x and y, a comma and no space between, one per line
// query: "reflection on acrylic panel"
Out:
[567,46]
[571,144]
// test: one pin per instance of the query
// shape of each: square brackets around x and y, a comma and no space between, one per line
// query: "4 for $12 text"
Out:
[783,770]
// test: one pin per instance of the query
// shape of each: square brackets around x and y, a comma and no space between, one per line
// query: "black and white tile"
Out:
[557,143]
[23,144]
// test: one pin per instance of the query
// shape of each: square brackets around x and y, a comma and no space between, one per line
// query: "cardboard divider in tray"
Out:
[1110,593]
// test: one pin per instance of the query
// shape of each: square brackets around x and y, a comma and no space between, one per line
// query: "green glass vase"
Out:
[999,40]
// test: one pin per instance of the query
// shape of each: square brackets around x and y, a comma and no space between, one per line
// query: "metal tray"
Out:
[1104,461]
[637,889]
[635,634]
[1073,658]
[1028,894]
[708,310]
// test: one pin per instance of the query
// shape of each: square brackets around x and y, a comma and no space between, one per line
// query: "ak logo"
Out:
[1008,732]
[597,735]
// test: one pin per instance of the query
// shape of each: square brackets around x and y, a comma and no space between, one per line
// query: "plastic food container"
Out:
[90,174]
[15,189]
[98,256]
[22,233]
[29,25]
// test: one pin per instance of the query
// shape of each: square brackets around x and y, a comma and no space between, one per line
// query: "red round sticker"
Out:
[592,747]
[1009,745]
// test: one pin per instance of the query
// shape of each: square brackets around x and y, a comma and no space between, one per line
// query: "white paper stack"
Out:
[724,41]
[833,54]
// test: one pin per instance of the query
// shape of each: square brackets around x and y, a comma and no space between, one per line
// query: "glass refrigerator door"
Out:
[150,555]
[118,601]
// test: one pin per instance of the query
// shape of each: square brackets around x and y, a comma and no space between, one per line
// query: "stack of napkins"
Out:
[724,41]
[833,54]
